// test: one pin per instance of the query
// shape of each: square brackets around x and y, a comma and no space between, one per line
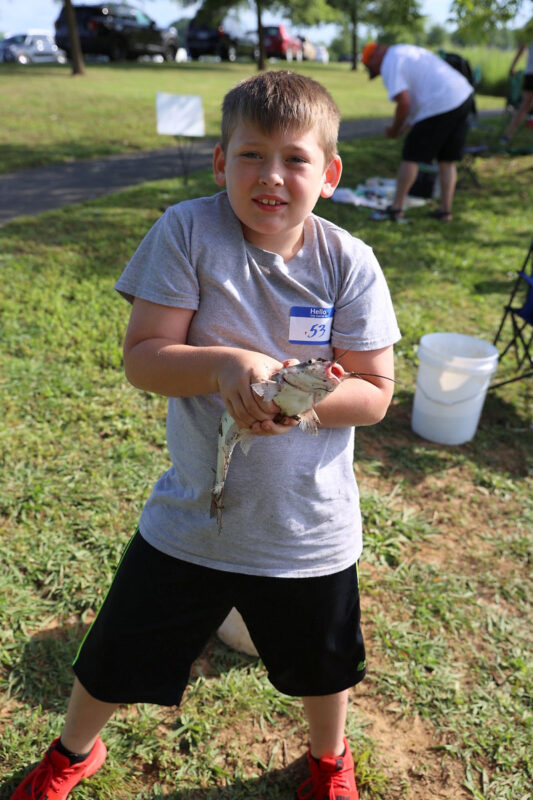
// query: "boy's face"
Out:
[273,183]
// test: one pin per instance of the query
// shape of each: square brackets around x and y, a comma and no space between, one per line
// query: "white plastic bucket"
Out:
[234,633]
[454,373]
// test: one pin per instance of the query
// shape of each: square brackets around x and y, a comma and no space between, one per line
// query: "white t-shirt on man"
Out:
[433,85]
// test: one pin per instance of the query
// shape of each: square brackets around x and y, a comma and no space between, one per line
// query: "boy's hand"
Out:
[234,379]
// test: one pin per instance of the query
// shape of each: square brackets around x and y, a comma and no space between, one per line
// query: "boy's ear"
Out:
[332,177]
[219,165]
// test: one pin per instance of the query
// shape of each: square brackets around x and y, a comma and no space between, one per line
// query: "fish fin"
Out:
[309,421]
[266,389]
[228,436]
[217,504]
[246,439]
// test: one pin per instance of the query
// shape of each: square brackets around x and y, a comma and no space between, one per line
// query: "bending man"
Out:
[433,100]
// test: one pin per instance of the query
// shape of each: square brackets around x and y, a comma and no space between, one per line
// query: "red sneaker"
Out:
[54,776]
[332,778]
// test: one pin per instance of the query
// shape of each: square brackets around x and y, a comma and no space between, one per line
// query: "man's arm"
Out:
[403,104]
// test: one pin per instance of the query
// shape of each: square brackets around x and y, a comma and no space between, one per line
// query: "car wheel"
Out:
[23,59]
[119,51]
[299,55]
[288,55]
[194,55]
[229,53]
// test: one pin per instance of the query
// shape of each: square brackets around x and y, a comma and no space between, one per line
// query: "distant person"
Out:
[433,101]
[526,104]
[224,290]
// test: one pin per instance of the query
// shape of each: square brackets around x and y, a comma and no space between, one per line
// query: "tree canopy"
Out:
[477,19]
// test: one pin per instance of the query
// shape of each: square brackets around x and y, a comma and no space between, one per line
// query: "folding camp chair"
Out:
[513,100]
[521,316]
[514,91]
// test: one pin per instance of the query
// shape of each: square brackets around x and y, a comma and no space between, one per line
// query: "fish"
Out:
[295,388]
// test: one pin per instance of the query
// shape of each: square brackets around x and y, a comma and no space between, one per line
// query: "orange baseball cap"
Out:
[367,53]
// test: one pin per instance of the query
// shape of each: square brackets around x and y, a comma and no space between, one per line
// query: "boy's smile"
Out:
[273,182]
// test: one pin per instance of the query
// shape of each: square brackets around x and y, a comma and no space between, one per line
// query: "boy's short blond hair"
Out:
[281,100]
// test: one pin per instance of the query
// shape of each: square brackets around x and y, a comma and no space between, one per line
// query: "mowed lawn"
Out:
[49,116]
[446,574]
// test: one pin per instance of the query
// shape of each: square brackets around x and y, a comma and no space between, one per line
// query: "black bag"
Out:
[462,65]
[424,185]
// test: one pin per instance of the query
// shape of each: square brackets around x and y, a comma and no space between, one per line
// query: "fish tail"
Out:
[309,421]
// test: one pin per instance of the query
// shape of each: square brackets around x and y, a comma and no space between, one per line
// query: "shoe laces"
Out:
[328,782]
[49,775]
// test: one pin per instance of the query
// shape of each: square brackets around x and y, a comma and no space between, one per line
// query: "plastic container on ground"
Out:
[234,633]
[453,377]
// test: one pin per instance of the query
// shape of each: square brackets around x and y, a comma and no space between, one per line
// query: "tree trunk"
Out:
[76,56]
[354,34]
[261,60]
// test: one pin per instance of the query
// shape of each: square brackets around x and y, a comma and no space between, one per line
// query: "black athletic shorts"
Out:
[160,612]
[441,137]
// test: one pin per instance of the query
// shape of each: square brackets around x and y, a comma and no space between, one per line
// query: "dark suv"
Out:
[224,38]
[117,30]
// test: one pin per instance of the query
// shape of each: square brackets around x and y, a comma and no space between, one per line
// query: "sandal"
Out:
[389,213]
[442,216]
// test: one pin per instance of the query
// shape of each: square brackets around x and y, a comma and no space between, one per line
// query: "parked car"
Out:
[279,43]
[117,30]
[34,47]
[224,38]
[308,48]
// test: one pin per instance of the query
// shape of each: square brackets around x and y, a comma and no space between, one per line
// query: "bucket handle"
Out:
[443,402]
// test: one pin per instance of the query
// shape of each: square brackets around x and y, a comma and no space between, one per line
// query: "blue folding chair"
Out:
[521,317]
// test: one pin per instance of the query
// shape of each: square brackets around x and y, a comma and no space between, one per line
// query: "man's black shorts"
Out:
[160,612]
[441,137]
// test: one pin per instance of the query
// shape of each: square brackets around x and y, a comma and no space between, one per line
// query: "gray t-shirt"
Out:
[291,505]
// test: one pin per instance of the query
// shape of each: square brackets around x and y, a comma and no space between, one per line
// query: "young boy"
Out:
[224,290]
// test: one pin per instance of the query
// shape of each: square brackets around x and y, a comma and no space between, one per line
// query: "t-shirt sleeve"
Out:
[161,268]
[393,74]
[364,316]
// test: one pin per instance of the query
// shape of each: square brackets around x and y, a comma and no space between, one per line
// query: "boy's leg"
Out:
[76,755]
[327,717]
[86,716]
[331,766]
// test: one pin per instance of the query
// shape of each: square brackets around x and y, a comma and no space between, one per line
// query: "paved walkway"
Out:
[31,191]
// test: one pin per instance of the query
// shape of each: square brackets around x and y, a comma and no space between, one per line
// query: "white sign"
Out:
[179,114]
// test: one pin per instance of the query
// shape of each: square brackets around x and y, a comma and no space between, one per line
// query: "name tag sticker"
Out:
[310,325]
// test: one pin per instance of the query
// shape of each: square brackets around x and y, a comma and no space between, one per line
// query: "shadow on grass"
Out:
[43,675]
[503,443]
[276,784]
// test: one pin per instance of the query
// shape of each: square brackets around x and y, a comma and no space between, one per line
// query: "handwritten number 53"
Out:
[316,329]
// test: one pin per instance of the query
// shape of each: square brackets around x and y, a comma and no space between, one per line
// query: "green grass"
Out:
[446,574]
[51,117]
[494,65]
